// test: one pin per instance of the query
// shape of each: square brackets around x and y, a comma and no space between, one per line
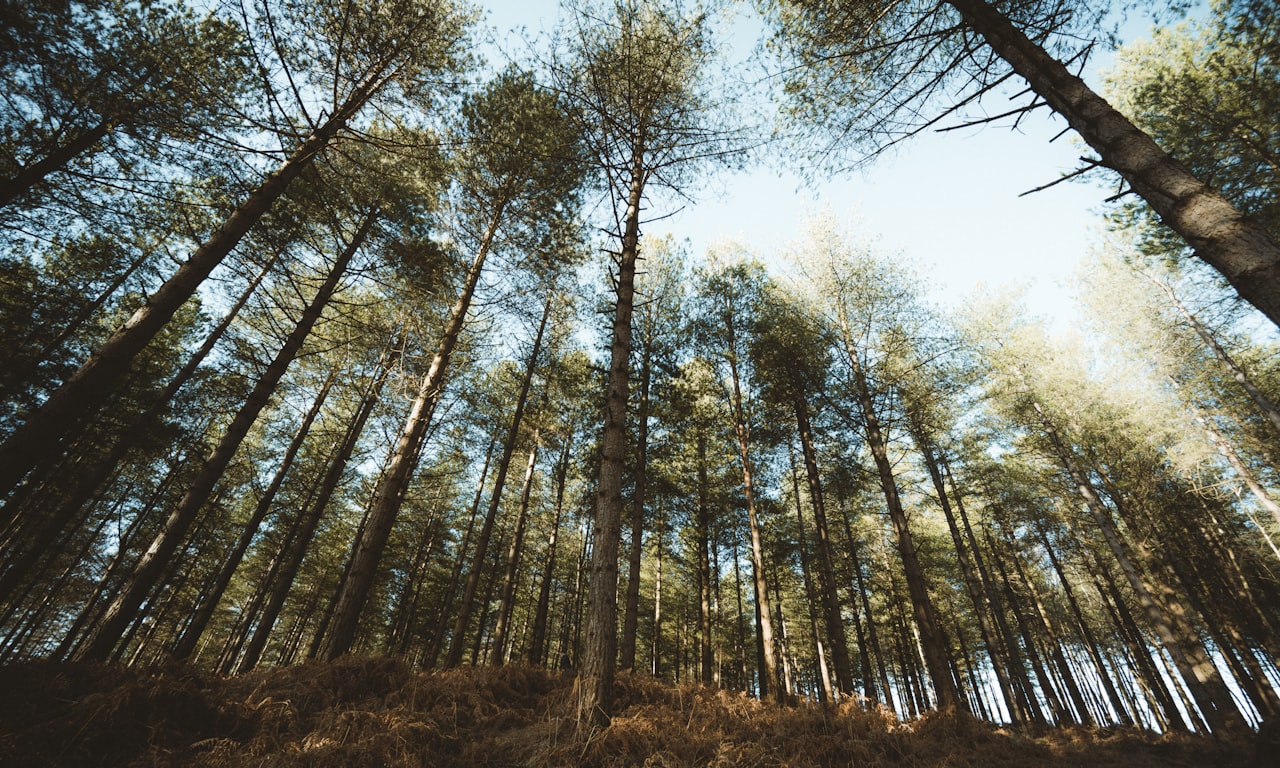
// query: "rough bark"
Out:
[630,623]
[597,668]
[1238,247]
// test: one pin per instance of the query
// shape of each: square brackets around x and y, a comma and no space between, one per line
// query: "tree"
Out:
[1208,91]
[107,78]
[866,74]
[874,318]
[731,292]
[635,78]
[791,357]
[521,173]
[370,46]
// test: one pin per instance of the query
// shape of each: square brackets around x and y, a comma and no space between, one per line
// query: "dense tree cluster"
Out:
[305,356]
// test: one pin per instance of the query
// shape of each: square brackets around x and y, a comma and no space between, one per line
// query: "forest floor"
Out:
[375,712]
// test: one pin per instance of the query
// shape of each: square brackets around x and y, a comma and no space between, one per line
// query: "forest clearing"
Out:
[363,401]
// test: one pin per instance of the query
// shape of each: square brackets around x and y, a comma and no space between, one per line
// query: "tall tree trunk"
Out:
[999,662]
[38,439]
[599,652]
[931,635]
[655,650]
[389,495]
[1263,403]
[124,607]
[89,481]
[507,602]
[445,608]
[538,638]
[457,642]
[770,681]
[627,646]
[830,598]
[706,653]
[296,550]
[204,610]
[1235,245]
[1199,673]
[1113,696]
[825,692]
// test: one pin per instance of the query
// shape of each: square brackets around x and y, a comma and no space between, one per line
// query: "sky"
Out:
[946,202]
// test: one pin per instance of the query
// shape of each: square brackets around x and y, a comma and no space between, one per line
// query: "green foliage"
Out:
[1208,92]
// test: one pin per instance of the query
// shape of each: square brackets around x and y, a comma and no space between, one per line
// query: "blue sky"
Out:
[948,202]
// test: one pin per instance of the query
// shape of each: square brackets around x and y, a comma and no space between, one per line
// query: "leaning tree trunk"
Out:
[599,650]
[457,643]
[295,551]
[932,639]
[209,601]
[16,185]
[538,641]
[148,571]
[999,661]
[89,481]
[355,588]
[506,604]
[1197,670]
[39,438]
[1238,247]
[830,599]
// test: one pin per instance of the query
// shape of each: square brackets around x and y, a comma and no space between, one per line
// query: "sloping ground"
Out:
[374,712]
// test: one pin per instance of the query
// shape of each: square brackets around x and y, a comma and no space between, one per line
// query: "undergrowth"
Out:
[375,712]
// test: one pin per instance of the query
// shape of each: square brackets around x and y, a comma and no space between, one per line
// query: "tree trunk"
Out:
[1199,673]
[515,551]
[1263,403]
[467,606]
[999,662]
[597,668]
[706,653]
[445,607]
[934,642]
[37,441]
[91,480]
[1238,247]
[770,682]
[655,651]
[204,610]
[825,692]
[31,175]
[830,598]
[1091,643]
[296,550]
[538,640]
[125,605]
[630,622]
[367,553]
